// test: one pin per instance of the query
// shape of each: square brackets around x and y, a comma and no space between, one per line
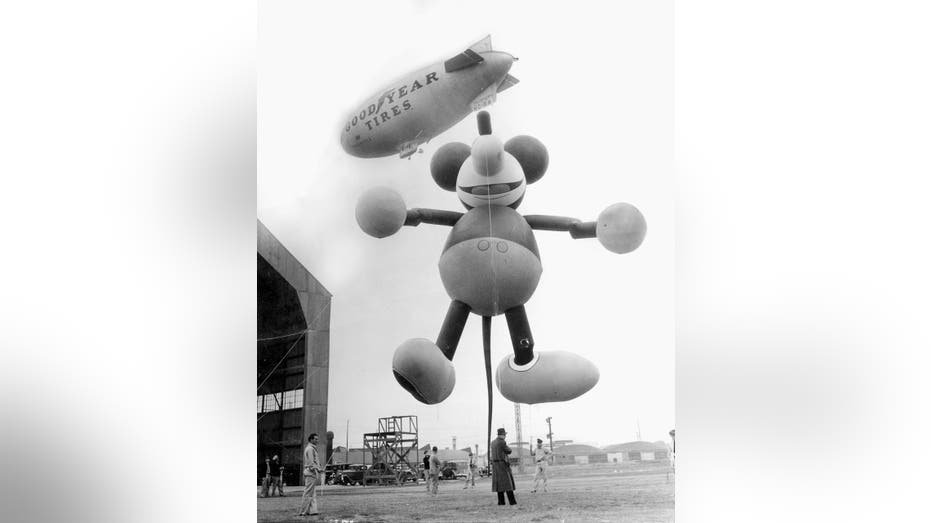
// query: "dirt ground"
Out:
[627,492]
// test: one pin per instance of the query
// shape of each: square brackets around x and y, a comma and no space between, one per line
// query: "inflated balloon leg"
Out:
[452,328]
[486,346]
[521,338]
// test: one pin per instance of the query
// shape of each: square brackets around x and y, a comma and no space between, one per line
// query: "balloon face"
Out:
[491,176]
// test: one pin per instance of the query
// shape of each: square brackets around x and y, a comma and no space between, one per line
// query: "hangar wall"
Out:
[293,356]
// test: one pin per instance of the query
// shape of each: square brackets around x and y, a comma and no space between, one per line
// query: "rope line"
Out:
[486,348]
[259,340]
[279,363]
[302,333]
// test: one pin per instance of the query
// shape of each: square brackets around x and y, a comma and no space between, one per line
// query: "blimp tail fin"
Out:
[465,59]
[509,81]
[470,56]
[482,46]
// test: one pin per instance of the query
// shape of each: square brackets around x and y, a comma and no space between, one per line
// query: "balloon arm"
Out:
[432,216]
[576,228]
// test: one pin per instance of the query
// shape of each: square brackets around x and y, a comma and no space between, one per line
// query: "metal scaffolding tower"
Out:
[391,450]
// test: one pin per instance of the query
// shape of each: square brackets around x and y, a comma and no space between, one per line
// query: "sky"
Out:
[596,87]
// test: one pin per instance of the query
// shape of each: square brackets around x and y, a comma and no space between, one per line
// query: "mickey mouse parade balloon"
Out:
[490,265]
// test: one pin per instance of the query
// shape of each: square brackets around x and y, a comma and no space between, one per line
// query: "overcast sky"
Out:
[596,88]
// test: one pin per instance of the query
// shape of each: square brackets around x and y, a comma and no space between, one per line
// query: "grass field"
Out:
[628,492]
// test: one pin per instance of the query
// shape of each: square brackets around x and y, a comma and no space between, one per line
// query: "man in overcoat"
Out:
[502,481]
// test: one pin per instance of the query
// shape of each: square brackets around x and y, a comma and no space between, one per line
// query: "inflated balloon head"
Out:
[489,176]
[488,155]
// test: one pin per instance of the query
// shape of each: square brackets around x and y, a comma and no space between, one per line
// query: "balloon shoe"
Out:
[422,369]
[550,376]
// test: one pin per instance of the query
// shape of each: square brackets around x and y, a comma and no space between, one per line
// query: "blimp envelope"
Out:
[422,104]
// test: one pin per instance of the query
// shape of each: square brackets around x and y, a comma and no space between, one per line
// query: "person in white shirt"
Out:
[312,471]
[541,456]
[470,470]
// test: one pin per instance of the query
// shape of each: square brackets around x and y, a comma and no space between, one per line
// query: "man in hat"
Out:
[276,469]
[541,456]
[312,470]
[502,481]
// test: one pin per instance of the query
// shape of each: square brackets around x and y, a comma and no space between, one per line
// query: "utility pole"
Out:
[638,431]
[347,441]
[520,440]
[549,423]
[454,442]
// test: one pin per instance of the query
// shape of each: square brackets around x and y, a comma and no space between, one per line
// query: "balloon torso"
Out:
[490,261]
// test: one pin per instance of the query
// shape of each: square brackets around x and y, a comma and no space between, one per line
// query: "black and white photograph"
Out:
[465,241]
[436,261]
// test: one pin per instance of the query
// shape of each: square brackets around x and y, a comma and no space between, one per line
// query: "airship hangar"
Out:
[293,346]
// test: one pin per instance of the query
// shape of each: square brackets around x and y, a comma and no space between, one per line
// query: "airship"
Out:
[424,103]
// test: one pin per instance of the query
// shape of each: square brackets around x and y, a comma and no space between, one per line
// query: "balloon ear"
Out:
[530,154]
[444,167]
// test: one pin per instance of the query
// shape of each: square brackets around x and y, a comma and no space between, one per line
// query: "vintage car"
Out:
[343,474]
[451,470]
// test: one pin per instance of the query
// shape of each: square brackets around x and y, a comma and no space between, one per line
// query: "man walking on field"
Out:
[541,456]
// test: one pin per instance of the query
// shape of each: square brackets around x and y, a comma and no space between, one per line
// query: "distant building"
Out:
[637,451]
[353,457]
[578,454]
[459,457]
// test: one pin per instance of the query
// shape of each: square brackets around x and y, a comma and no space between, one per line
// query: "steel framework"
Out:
[391,450]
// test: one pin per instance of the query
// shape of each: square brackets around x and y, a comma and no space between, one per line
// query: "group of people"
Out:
[432,470]
[502,480]
[312,471]
[274,479]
